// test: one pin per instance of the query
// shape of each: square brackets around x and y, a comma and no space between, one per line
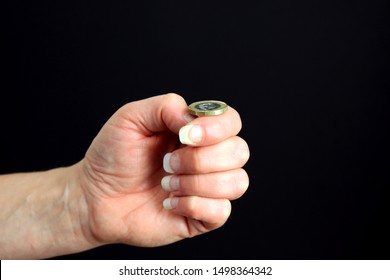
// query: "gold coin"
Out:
[208,108]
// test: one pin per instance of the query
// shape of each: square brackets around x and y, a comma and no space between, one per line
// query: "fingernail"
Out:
[170,183]
[191,134]
[171,162]
[170,202]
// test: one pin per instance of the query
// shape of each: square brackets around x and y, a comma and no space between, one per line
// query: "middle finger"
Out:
[227,155]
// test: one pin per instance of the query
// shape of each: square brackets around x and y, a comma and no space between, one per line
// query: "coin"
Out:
[208,108]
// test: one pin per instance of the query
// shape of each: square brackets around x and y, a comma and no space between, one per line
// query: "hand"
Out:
[131,198]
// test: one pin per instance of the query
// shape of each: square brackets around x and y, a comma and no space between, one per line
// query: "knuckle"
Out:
[242,151]
[226,209]
[173,97]
[191,206]
[219,212]
[237,122]
[242,182]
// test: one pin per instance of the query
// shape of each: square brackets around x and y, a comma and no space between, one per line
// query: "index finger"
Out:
[209,130]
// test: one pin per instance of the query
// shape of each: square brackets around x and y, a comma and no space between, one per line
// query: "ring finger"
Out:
[228,184]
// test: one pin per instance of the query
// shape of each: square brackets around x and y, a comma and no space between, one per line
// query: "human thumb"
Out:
[155,114]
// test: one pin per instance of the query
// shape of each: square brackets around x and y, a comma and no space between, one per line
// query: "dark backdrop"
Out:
[310,79]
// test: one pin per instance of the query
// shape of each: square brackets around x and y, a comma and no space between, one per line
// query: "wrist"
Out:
[45,214]
[78,223]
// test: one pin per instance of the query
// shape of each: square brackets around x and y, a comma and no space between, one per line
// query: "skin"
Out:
[114,194]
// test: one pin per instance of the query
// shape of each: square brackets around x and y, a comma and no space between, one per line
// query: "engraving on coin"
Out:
[208,108]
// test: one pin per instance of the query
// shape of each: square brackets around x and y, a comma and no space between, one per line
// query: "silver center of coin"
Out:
[207,106]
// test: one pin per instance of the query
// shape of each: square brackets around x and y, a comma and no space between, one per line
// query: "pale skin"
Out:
[121,192]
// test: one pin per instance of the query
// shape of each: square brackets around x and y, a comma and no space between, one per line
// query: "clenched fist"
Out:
[152,176]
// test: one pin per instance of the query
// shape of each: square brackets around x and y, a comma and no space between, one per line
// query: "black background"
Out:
[309,78]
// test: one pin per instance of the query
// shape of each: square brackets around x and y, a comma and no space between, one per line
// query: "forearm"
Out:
[43,214]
